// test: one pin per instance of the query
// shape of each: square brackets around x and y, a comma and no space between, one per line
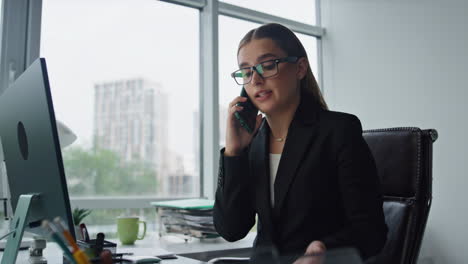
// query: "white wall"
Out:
[405,63]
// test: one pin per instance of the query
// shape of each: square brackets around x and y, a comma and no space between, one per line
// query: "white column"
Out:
[209,106]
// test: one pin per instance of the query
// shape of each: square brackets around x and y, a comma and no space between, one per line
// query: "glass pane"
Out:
[310,45]
[231,31]
[126,82]
[105,220]
[3,223]
[298,10]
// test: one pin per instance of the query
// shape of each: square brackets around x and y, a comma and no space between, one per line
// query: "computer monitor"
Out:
[33,160]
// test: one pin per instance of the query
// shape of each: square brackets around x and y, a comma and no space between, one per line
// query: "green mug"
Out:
[127,229]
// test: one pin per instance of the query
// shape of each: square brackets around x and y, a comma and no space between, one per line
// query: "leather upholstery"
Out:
[404,162]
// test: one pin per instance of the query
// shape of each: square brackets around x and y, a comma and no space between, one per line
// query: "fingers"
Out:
[258,122]
[309,260]
[237,100]
[233,107]
[316,247]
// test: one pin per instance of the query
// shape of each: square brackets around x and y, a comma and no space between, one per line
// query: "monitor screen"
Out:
[33,160]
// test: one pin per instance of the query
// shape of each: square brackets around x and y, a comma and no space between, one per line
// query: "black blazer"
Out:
[326,187]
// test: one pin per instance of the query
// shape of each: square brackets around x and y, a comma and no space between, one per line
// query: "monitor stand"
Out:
[19,223]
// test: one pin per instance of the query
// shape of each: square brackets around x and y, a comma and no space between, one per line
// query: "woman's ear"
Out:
[302,67]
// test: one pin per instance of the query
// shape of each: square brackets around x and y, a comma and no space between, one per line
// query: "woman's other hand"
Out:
[315,254]
[237,138]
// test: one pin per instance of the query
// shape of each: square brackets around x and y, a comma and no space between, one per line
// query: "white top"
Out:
[274,162]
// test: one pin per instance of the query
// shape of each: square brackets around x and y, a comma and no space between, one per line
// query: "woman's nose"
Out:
[256,78]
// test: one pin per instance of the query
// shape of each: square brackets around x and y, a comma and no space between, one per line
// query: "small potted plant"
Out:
[78,215]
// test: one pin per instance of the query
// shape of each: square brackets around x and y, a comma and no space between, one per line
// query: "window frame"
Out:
[19,50]
[20,37]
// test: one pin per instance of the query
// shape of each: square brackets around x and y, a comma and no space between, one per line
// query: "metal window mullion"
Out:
[14,28]
[33,40]
[318,16]
[20,38]
[199,4]
[209,106]
[19,47]
[262,18]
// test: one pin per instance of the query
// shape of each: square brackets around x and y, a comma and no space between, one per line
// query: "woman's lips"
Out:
[263,95]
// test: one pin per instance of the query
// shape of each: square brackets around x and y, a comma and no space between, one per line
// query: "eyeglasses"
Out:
[265,69]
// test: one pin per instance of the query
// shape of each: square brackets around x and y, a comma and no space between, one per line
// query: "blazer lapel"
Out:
[300,135]
[260,165]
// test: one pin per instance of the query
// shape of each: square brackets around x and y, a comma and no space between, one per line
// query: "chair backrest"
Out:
[404,162]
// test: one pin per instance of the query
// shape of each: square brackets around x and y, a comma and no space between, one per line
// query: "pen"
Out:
[78,254]
[84,232]
[56,237]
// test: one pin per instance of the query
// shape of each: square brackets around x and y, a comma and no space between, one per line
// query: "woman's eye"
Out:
[268,65]
[247,73]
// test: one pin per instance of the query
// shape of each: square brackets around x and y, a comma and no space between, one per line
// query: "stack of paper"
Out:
[192,217]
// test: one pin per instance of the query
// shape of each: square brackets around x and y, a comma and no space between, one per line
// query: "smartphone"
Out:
[247,117]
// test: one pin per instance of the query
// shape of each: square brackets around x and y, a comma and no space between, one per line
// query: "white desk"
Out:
[179,246]
[153,245]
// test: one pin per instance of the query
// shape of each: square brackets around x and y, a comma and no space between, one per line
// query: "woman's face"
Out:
[277,93]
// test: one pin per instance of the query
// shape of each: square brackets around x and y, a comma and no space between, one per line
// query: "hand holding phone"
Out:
[247,116]
[243,122]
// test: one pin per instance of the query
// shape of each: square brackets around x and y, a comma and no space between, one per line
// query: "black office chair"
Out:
[404,163]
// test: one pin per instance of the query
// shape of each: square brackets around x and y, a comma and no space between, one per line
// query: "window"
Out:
[105,220]
[310,45]
[126,81]
[125,78]
[231,31]
[3,223]
[298,10]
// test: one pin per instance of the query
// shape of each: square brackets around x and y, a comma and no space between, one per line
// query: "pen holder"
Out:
[91,249]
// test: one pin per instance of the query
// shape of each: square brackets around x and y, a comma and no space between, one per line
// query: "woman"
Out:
[305,171]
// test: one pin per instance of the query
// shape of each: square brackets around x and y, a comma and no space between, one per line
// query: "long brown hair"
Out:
[289,43]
